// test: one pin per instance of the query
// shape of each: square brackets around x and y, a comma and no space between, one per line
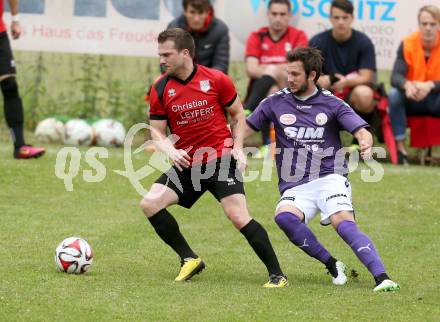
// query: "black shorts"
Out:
[7,63]
[220,177]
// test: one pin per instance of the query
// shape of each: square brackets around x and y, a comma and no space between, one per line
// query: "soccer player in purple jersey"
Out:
[311,166]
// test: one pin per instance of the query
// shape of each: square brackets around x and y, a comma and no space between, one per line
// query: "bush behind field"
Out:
[93,86]
[89,86]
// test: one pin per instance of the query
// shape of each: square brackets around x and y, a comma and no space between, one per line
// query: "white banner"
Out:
[130,27]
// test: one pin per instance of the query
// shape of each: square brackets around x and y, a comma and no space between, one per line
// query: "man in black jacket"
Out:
[211,35]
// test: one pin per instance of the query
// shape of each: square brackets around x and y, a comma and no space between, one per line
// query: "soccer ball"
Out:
[50,130]
[74,256]
[78,132]
[109,132]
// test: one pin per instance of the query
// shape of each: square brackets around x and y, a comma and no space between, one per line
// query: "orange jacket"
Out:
[418,68]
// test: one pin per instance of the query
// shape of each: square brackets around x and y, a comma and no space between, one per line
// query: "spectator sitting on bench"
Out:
[266,62]
[416,76]
[349,60]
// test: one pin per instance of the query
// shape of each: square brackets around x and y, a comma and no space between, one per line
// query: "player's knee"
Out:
[271,70]
[291,225]
[239,217]
[362,90]
[362,97]
[149,207]
[282,207]
[9,88]
[341,216]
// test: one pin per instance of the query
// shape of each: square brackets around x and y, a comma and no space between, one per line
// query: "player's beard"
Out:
[171,71]
[300,91]
[176,69]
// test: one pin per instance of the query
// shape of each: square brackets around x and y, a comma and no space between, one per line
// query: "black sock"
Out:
[17,137]
[257,237]
[13,108]
[259,90]
[331,266]
[380,278]
[167,228]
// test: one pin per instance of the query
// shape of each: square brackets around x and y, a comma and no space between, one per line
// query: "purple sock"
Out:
[362,246]
[299,234]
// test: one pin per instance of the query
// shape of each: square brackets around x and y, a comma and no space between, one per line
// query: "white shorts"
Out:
[328,194]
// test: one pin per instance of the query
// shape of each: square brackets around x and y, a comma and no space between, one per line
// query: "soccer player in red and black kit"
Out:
[12,103]
[193,101]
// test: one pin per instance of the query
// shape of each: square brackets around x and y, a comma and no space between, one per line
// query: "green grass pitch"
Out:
[132,275]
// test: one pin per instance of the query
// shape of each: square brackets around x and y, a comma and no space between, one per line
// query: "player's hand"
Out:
[180,158]
[239,156]
[15,30]
[366,150]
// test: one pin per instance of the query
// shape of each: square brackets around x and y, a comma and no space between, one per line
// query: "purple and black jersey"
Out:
[307,134]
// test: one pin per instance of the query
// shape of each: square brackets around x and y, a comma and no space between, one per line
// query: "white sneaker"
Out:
[341,279]
[387,286]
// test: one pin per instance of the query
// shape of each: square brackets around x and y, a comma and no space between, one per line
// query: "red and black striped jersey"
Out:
[269,51]
[195,110]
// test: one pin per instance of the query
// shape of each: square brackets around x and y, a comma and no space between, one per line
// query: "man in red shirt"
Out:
[266,51]
[192,100]
[13,106]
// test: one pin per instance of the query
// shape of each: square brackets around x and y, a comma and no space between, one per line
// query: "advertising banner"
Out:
[130,27]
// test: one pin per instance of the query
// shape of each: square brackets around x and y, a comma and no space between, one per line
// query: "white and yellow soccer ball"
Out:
[109,133]
[50,130]
[78,132]
[74,256]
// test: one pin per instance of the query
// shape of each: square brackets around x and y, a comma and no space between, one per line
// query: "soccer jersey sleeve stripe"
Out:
[158,117]
[366,126]
[230,102]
